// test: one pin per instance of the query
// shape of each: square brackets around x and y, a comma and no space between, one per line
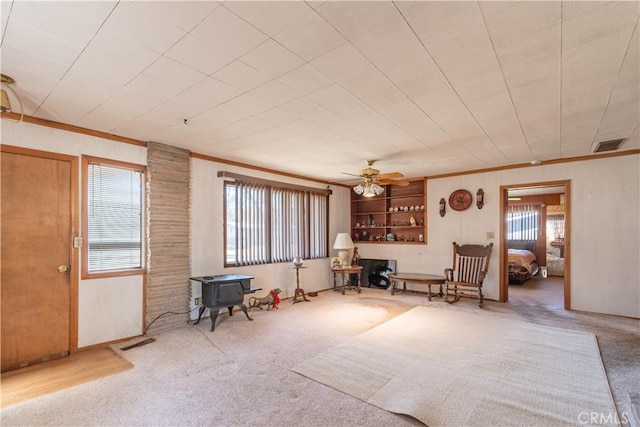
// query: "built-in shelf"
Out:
[397,216]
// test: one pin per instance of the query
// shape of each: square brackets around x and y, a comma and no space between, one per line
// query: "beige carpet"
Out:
[447,367]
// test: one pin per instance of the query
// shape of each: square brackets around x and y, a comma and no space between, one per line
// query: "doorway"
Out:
[38,266]
[560,236]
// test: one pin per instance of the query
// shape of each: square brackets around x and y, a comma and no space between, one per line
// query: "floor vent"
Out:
[612,145]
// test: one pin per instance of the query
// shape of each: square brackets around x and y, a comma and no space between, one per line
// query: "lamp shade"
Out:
[343,241]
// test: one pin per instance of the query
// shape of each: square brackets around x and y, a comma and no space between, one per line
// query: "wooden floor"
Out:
[49,377]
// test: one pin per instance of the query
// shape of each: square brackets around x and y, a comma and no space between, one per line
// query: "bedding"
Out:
[522,261]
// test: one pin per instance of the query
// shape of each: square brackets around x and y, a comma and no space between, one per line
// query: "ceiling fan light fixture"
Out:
[368,191]
[5,103]
[359,189]
[377,190]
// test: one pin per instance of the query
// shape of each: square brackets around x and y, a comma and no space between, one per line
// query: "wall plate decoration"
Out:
[460,200]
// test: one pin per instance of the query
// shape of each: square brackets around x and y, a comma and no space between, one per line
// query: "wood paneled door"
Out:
[38,298]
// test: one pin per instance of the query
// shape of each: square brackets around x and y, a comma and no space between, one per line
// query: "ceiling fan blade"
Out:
[399,182]
[352,174]
[390,175]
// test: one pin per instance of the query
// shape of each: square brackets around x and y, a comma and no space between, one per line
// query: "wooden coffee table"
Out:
[417,278]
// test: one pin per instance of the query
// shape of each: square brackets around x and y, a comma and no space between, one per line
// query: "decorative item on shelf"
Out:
[480,198]
[412,221]
[391,237]
[355,259]
[298,261]
[443,207]
[391,209]
[460,200]
[420,238]
[343,243]
[395,209]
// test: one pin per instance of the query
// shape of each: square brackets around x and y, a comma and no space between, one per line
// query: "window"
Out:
[267,222]
[113,218]
[523,222]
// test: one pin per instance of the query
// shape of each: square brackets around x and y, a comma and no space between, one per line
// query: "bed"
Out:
[522,261]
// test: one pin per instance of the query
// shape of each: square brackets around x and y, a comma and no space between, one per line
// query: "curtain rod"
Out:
[237,177]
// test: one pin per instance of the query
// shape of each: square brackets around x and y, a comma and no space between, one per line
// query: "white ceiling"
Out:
[316,88]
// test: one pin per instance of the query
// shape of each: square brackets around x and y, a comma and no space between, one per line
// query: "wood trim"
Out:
[106,344]
[74,257]
[72,128]
[504,276]
[86,161]
[546,162]
[105,135]
[277,184]
[261,169]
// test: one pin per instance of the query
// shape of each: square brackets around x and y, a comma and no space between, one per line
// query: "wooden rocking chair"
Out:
[470,265]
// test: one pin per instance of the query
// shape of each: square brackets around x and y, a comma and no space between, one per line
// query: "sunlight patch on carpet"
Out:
[446,367]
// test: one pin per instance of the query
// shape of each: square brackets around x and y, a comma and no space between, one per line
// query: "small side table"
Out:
[421,279]
[355,270]
[298,292]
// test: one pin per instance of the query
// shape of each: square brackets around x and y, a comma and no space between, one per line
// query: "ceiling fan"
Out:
[372,180]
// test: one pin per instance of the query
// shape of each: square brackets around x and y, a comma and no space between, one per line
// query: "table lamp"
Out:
[343,243]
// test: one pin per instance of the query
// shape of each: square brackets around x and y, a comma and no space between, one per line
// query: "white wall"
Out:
[108,309]
[207,242]
[605,230]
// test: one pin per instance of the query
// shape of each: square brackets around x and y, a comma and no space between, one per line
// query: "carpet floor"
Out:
[453,368]
[240,374]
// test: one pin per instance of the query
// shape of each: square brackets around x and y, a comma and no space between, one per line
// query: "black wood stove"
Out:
[221,291]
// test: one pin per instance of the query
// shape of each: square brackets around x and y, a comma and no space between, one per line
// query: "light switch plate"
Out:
[77,242]
[490,235]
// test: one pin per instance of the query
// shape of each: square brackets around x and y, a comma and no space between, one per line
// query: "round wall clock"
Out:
[460,200]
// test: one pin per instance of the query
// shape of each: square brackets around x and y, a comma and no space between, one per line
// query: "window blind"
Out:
[114,218]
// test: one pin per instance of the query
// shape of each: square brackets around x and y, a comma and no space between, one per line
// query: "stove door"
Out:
[229,294]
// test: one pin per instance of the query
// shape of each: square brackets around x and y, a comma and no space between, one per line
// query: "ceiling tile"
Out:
[38,43]
[352,18]
[241,76]
[274,93]
[346,66]
[189,51]
[202,96]
[227,34]
[52,18]
[272,59]
[270,17]
[305,80]
[310,37]
[434,19]
[521,21]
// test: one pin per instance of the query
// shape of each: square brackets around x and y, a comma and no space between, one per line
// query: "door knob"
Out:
[62,268]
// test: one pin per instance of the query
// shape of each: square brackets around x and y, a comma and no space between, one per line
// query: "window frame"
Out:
[269,187]
[85,273]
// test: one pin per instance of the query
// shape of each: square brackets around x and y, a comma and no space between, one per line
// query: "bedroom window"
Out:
[268,222]
[112,218]
[523,222]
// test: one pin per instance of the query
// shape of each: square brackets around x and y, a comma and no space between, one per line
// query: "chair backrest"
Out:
[471,262]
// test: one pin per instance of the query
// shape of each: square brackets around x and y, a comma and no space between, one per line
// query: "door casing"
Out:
[504,274]
[73,227]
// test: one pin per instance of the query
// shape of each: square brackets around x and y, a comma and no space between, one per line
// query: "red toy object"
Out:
[276,298]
